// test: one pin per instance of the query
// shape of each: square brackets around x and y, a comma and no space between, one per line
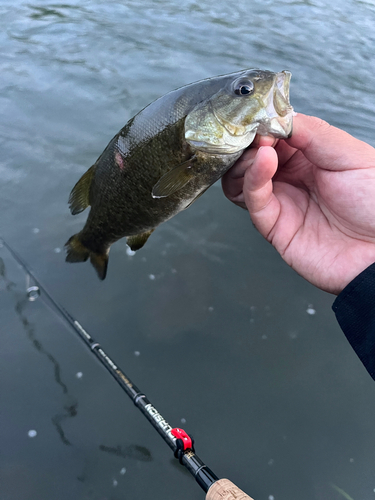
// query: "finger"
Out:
[245,161]
[284,152]
[242,164]
[263,206]
[327,146]
[264,140]
[232,181]
[233,190]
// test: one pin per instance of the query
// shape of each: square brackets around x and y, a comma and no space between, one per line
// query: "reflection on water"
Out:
[22,301]
[57,420]
[132,451]
[70,406]
[30,331]
[3,277]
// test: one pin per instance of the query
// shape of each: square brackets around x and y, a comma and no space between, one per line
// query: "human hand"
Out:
[313,197]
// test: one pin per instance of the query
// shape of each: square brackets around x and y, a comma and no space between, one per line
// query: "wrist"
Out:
[354,273]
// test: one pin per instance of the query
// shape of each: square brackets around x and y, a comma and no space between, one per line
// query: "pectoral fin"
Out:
[79,196]
[174,180]
[138,240]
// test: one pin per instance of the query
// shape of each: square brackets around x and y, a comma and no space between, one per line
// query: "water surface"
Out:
[221,335]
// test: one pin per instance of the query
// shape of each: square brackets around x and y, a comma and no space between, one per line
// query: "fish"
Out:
[170,153]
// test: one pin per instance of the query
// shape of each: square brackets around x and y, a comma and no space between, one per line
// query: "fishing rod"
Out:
[177,439]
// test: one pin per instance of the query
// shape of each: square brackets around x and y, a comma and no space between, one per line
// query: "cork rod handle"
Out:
[226,490]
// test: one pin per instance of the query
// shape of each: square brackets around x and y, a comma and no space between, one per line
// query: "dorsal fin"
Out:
[79,198]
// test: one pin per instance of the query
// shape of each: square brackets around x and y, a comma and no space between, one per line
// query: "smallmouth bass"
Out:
[170,153]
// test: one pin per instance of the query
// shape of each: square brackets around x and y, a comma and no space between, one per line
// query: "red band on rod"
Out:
[181,434]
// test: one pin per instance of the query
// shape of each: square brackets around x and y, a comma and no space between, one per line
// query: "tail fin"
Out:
[77,252]
[100,263]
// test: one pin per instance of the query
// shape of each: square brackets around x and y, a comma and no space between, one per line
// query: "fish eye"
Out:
[244,87]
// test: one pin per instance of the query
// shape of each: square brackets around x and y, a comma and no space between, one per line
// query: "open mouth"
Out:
[281,93]
[278,108]
[283,82]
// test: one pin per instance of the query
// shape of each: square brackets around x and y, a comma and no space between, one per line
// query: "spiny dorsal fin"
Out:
[174,180]
[79,196]
[138,240]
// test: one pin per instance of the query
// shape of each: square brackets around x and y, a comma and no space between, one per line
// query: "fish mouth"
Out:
[278,108]
[281,93]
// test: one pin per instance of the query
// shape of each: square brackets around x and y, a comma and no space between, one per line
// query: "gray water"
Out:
[223,337]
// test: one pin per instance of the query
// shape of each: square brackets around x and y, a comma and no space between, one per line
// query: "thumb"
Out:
[262,204]
[329,147]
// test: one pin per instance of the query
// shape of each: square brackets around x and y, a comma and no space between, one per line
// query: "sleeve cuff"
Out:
[355,313]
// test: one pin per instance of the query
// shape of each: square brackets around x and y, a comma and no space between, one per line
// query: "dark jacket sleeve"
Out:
[355,312]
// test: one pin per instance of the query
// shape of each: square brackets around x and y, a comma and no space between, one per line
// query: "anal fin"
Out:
[138,240]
